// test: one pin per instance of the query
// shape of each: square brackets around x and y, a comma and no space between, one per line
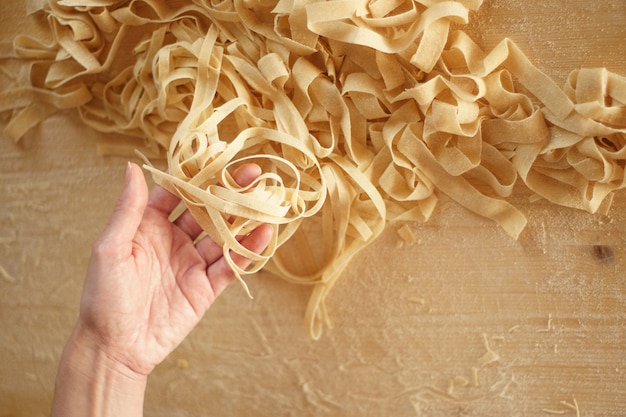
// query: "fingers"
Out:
[129,208]
[209,250]
[256,241]
[220,273]
[243,175]
[246,174]
[162,200]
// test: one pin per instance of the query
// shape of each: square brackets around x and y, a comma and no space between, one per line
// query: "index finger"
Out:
[162,200]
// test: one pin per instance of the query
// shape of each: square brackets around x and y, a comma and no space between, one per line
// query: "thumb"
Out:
[129,208]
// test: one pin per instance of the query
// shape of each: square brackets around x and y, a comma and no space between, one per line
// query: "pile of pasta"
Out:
[359,113]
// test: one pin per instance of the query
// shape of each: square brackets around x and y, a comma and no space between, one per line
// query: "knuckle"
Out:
[104,248]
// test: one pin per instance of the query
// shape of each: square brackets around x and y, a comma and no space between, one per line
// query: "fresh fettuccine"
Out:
[358,112]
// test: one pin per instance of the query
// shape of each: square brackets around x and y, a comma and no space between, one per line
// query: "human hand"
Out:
[147,283]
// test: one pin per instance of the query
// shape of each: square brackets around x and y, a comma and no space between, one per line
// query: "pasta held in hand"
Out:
[359,113]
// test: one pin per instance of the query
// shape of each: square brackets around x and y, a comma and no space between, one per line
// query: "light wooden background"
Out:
[466,322]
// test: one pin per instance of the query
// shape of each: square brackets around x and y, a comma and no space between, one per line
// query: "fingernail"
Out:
[128,168]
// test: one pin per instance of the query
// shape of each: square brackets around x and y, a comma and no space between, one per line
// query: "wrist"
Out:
[91,383]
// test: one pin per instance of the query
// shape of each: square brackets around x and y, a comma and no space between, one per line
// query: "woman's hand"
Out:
[149,282]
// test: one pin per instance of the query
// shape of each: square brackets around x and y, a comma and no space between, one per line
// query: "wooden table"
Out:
[465,322]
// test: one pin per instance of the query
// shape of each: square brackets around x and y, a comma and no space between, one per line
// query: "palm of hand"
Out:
[146,290]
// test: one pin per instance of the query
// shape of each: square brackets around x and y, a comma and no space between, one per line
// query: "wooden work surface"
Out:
[465,322]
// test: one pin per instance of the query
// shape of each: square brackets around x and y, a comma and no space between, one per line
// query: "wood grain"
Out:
[465,322]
